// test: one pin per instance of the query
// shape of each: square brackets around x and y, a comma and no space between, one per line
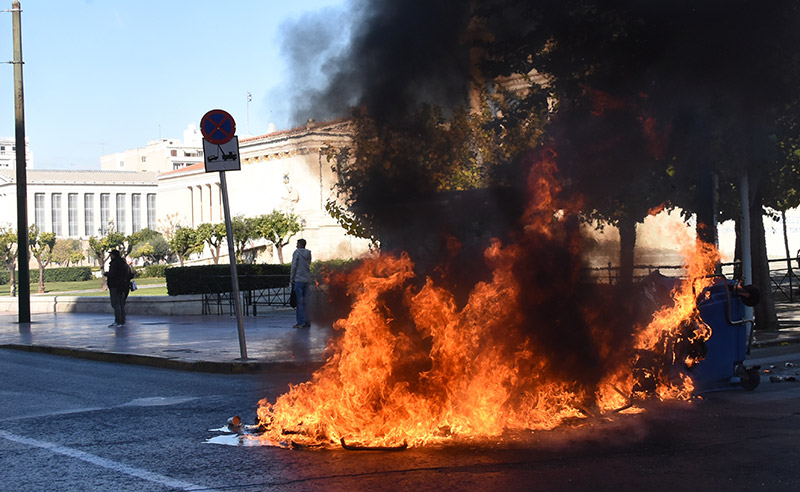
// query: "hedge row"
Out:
[151,271]
[207,279]
[66,274]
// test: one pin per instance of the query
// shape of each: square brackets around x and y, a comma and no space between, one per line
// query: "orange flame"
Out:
[413,367]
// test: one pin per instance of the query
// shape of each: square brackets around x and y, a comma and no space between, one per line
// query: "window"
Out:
[174,153]
[55,211]
[72,214]
[121,213]
[88,215]
[38,206]
[136,212]
[144,159]
[121,164]
[151,211]
[105,212]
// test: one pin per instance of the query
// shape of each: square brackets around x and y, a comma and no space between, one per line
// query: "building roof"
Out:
[339,125]
[84,177]
[193,167]
[282,140]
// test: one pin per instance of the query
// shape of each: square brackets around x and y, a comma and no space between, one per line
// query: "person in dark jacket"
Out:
[300,276]
[119,279]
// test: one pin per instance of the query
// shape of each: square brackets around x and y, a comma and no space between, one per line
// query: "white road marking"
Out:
[105,463]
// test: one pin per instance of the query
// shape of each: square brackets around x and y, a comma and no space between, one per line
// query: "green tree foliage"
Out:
[137,238]
[147,244]
[427,151]
[213,235]
[153,250]
[278,228]
[8,255]
[705,92]
[100,248]
[41,246]
[245,230]
[184,242]
[66,251]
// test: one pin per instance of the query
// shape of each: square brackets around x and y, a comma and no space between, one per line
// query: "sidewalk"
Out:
[199,343]
[211,343]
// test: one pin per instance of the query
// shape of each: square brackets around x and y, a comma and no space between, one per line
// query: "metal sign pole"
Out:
[232,255]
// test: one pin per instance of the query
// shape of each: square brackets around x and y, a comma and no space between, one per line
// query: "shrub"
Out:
[150,271]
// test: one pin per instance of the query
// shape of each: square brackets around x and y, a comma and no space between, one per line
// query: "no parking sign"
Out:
[220,144]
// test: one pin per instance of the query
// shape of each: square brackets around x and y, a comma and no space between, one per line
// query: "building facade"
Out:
[282,171]
[82,204]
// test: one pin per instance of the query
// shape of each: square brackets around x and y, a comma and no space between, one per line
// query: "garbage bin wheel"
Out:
[751,379]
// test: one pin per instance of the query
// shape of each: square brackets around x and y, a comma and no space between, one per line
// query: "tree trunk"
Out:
[41,275]
[279,249]
[627,246]
[737,251]
[766,317]
[13,280]
[786,248]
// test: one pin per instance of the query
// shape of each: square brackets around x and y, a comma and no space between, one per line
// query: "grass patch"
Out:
[92,287]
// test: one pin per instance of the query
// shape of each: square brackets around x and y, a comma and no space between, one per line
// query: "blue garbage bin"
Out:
[723,311]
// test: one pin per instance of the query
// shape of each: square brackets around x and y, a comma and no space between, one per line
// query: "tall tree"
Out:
[66,251]
[184,242]
[154,249]
[213,235]
[278,228]
[138,238]
[244,231]
[685,62]
[41,246]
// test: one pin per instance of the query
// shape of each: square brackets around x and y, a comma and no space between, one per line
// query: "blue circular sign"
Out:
[217,126]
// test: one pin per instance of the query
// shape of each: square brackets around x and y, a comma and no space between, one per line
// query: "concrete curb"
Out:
[234,367]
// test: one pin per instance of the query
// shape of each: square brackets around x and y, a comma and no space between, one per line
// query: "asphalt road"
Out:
[75,425]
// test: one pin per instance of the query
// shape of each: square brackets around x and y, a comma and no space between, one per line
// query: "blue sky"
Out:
[102,76]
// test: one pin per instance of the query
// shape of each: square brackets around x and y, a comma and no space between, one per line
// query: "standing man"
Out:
[300,277]
[119,278]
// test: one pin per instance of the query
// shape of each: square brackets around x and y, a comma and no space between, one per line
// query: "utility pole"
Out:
[24,282]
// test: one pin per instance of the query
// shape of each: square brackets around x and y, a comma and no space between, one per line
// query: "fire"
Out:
[530,349]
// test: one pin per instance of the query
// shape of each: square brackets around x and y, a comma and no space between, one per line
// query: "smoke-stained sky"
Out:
[399,54]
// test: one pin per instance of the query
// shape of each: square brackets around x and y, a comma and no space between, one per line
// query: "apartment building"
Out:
[8,153]
[159,156]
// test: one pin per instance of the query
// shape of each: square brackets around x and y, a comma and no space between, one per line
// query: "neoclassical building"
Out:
[279,171]
[81,204]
